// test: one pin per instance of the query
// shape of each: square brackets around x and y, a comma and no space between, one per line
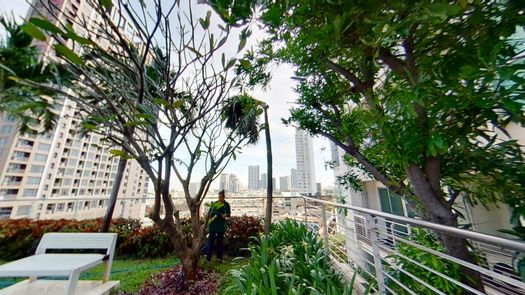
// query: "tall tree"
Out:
[242,113]
[156,95]
[419,93]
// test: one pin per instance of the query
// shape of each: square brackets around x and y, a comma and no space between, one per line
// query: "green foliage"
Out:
[132,273]
[405,83]
[289,261]
[30,106]
[19,237]
[428,240]
[241,114]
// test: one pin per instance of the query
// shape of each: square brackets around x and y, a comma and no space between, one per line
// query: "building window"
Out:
[40,158]
[33,180]
[23,210]
[44,147]
[6,129]
[37,169]
[5,212]
[60,207]
[30,193]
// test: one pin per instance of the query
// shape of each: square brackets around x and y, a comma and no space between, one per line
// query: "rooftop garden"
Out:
[290,259]
[419,96]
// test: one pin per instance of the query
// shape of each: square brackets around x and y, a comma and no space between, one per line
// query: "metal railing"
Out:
[389,258]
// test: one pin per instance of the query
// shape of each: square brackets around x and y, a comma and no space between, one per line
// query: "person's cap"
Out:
[221,192]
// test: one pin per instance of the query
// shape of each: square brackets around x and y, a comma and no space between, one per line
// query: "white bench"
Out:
[63,265]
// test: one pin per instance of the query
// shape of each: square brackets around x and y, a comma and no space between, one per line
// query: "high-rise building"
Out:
[234,186]
[224,182]
[63,174]
[253,178]
[293,180]
[264,181]
[284,183]
[305,162]
[318,189]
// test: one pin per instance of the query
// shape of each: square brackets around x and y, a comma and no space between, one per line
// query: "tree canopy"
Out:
[154,91]
[19,59]
[418,93]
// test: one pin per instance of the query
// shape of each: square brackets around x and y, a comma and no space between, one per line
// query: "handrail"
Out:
[486,238]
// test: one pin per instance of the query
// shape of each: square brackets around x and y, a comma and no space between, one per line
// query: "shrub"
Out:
[428,240]
[146,242]
[173,282]
[238,233]
[19,237]
[290,261]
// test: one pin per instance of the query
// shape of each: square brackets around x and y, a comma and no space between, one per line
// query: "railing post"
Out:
[378,265]
[325,229]
[305,214]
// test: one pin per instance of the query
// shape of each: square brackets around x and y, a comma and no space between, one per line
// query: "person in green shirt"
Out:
[217,217]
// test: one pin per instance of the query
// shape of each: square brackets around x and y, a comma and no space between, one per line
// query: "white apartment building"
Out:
[224,182]
[293,179]
[63,174]
[254,180]
[235,184]
[305,162]
[284,183]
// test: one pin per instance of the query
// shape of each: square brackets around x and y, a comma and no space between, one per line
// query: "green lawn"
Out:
[132,273]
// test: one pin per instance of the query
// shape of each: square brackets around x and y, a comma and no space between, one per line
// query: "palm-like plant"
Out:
[241,115]
[19,61]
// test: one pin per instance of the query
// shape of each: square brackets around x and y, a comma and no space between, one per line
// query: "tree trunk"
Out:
[114,194]
[189,265]
[269,190]
[440,213]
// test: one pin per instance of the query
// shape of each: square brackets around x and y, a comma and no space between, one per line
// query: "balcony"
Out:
[20,158]
[16,170]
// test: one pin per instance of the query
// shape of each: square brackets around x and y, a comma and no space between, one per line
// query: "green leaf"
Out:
[205,23]
[273,15]
[194,51]
[71,34]
[89,126]
[242,43]
[33,31]
[230,63]
[178,104]
[120,154]
[68,54]
[46,25]
[443,10]
[245,64]
[105,3]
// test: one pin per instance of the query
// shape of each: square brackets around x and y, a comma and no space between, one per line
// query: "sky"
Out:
[279,96]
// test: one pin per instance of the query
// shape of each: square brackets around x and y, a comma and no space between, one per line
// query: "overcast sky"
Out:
[280,96]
